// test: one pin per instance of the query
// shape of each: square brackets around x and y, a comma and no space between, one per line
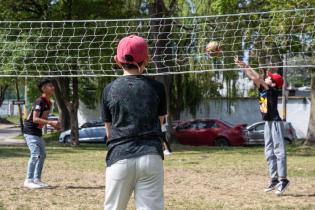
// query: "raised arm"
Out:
[251,73]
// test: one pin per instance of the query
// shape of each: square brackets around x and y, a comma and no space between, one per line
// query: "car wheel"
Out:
[287,141]
[67,140]
[221,142]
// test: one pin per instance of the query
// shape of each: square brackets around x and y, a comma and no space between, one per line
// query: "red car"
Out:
[211,132]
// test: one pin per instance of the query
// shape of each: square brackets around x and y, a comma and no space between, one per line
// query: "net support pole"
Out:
[284,89]
[19,105]
[25,98]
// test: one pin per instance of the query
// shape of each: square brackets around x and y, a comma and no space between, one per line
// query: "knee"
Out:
[36,157]
[42,156]
[269,154]
[280,155]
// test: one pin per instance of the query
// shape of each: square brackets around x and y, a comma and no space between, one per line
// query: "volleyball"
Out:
[214,48]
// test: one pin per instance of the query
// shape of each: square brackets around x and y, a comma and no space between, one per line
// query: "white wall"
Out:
[85,114]
[8,109]
[241,111]
[298,113]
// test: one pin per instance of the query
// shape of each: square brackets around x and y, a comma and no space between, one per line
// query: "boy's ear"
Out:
[146,61]
[116,60]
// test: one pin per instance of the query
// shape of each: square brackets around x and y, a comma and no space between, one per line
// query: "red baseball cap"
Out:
[277,78]
[132,50]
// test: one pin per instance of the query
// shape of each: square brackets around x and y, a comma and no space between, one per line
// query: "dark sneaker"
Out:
[272,185]
[282,186]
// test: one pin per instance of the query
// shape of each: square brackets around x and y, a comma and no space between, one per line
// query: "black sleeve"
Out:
[39,105]
[162,105]
[106,115]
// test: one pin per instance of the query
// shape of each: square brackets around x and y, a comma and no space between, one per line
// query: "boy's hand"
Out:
[55,124]
[241,64]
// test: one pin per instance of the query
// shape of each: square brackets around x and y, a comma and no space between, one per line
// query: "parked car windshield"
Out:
[92,124]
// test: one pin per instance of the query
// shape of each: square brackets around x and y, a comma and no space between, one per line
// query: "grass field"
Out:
[199,178]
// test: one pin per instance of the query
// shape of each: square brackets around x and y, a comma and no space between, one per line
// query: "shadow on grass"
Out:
[299,195]
[85,187]
[210,149]
[292,150]
[10,151]
[23,151]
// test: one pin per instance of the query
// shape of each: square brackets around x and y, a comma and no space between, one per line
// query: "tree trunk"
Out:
[3,89]
[68,103]
[310,139]
[62,94]
[73,107]
[160,29]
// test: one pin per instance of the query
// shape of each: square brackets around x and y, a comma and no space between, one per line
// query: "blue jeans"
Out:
[275,149]
[38,154]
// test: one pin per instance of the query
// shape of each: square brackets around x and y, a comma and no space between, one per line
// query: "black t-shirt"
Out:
[268,104]
[133,105]
[42,105]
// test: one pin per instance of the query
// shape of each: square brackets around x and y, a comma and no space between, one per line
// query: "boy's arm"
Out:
[108,125]
[42,121]
[251,73]
[162,117]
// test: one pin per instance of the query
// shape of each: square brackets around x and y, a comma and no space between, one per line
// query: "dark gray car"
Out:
[255,133]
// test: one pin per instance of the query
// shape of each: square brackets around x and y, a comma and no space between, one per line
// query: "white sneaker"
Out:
[40,183]
[30,184]
[166,152]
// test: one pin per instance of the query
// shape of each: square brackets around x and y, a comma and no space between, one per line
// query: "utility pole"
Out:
[284,89]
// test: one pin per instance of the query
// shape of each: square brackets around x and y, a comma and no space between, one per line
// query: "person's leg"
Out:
[280,152]
[279,148]
[34,153]
[41,158]
[168,146]
[120,182]
[269,151]
[149,193]
[31,142]
[40,163]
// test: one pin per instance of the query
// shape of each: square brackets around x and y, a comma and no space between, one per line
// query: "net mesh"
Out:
[176,45]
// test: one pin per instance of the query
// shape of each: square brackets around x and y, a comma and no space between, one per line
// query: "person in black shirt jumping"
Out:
[33,134]
[133,109]
[274,129]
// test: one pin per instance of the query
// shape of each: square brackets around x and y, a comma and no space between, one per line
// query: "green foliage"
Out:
[253,93]
[91,90]
[190,89]
[61,10]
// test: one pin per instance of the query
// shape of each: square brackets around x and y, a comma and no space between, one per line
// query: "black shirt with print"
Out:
[133,105]
[41,105]
[268,104]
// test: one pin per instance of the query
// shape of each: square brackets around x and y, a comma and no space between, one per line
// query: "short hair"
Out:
[129,66]
[43,82]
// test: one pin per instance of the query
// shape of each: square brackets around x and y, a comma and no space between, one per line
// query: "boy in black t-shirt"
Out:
[33,134]
[273,132]
[133,108]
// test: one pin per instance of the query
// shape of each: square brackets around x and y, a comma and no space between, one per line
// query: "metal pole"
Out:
[284,89]
[19,105]
[25,98]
